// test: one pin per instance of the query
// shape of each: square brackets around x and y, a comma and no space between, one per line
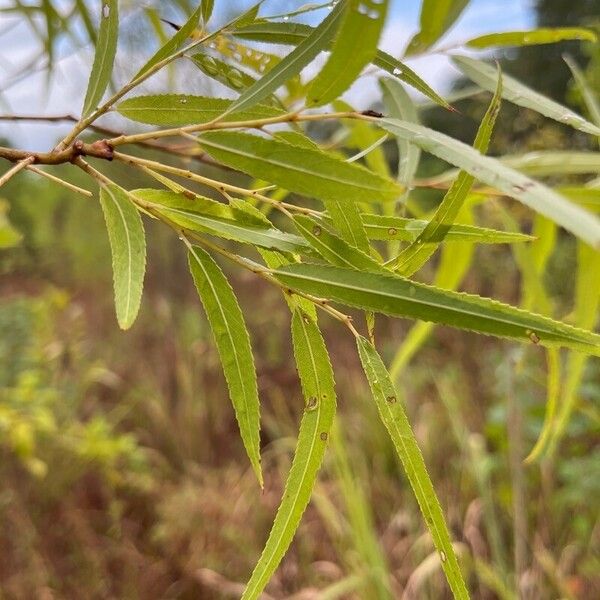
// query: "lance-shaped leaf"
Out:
[396,422]
[208,216]
[332,248]
[412,258]
[176,110]
[206,7]
[381,227]
[316,377]
[541,164]
[590,97]
[309,172]
[516,92]
[544,35]
[174,43]
[233,229]
[363,20]
[400,297]
[223,72]
[400,106]
[437,16]
[346,219]
[491,171]
[106,48]
[233,343]
[587,303]
[128,247]
[294,33]
[318,39]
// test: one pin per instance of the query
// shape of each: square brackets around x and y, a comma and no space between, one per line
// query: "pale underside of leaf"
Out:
[532,193]
[516,92]
[128,248]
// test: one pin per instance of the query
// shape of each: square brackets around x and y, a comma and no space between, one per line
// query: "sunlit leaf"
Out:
[381,227]
[491,171]
[587,303]
[400,297]
[316,377]
[334,249]
[128,247]
[106,48]
[437,16]
[364,20]
[516,92]
[182,109]
[545,35]
[293,63]
[309,172]
[295,33]
[233,343]
[396,422]
[207,216]
[590,97]
[412,258]
[399,105]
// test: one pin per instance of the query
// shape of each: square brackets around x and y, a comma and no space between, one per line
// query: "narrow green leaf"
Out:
[455,261]
[316,377]
[380,227]
[412,258]
[166,50]
[233,343]
[207,216]
[437,16]
[318,39]
[589,198]
[206,7]
[176,110]
[521,95]
[332,248]
[587,303]
[294,33]
[590,97]
[128,247]
[363,20]
[396,422]
[106,48]
[309,172]
[545,35]
[491,171]
[400,297]
[552,396]
[346,219]
[223,72]
[400,106]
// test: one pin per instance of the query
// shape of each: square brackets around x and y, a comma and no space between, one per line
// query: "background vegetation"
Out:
[123,472]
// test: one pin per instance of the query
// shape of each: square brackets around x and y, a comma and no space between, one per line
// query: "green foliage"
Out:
[233,342]
[106,48]
[128,245]
[330,251]
[316,376]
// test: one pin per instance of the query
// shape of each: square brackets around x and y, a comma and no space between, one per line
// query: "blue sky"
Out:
[67,87]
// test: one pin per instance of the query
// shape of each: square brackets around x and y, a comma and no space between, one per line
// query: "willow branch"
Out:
[24,163]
